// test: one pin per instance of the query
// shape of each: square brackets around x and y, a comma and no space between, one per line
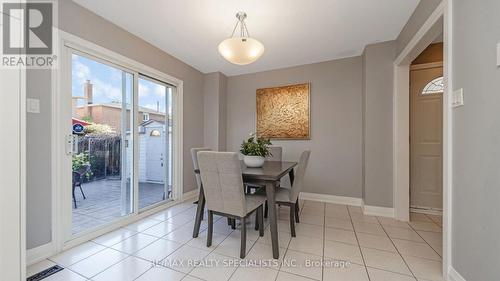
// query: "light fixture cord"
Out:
[243,28]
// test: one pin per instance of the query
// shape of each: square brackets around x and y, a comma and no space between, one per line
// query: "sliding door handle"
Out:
[68,143]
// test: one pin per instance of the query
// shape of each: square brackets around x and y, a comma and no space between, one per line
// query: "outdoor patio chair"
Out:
[77,181]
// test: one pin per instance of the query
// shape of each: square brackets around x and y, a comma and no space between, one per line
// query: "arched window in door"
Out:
[436,86]
[155,133]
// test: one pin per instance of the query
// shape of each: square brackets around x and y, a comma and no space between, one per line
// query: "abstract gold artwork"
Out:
[283,112]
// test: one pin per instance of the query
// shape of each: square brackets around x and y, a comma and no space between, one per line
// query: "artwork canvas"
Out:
[284,112]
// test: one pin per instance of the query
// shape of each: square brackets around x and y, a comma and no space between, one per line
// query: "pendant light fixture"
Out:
[243,49]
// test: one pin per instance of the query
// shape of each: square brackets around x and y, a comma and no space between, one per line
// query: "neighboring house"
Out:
[110,114]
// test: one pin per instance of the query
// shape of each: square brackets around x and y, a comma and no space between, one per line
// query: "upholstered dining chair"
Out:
[194,156]
[224,194]
[290,196]
[276,153]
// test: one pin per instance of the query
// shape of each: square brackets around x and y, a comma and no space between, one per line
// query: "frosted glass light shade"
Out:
[241,50]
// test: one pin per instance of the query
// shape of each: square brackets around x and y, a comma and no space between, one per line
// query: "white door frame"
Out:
[13,166]
[438,21]
[61,81]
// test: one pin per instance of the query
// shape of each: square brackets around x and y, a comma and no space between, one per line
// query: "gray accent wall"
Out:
[476,139]
[78,21]
[38,161]
[214,105]
[420,15]
[377,119]
[335,166]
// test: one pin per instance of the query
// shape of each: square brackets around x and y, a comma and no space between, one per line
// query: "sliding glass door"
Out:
[155,141]
[102,158]
[119,145]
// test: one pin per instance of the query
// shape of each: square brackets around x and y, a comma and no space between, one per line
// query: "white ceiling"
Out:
[294,32]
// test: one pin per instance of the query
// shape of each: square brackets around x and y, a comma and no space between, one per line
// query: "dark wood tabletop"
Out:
[272,170]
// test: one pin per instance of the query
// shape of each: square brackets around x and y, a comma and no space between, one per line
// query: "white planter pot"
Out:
[253,161]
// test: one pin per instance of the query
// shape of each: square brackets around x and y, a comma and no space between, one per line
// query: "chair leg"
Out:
[203,210]
[233,223]
[81,190]
[260,215]
[257,218]
[210,228]
[243,247]
[74,199]
[265,210]
[292,219]
[297,209]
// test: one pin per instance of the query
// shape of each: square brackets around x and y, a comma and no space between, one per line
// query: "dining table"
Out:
[269,175]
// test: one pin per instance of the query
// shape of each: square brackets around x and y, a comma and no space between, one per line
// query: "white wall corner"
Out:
[39,253]
[453,275]
[377,211]
[326,198]
[189,195]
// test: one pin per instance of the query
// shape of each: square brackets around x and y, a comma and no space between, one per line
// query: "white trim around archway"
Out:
[439,21]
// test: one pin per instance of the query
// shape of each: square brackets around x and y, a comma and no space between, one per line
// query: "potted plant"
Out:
[81,164]
[255,150]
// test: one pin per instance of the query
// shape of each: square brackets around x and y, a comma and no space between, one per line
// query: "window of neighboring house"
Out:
[145,117]
[436,86]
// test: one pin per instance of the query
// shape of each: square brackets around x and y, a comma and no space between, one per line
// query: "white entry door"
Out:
[426,138]
[155,156]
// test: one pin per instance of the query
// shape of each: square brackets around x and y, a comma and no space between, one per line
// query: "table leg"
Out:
[270,189]
[199,213]
[297,208]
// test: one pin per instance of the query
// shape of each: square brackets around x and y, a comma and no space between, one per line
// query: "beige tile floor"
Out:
[334,242]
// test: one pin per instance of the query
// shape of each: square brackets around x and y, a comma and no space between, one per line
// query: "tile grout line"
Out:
[185,244]
[426,240]
[110,247]
[284,254]
[182,244]
[138,232]
[286,251]
[359,245]
[397,250]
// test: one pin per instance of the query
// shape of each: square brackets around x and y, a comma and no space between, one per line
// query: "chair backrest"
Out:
[299,176]
[194,155]
[222,182]
[276,153]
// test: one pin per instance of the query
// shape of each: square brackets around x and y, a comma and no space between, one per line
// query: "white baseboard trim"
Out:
[39,253]
[378,211]
[453,275]
[326,198]
[189,195]
[425,211]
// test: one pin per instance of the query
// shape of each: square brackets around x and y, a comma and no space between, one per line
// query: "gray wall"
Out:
[38,161]
[214,105]
[336,129]
[476,139]
[417,19]
[83,23]
[377,114]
